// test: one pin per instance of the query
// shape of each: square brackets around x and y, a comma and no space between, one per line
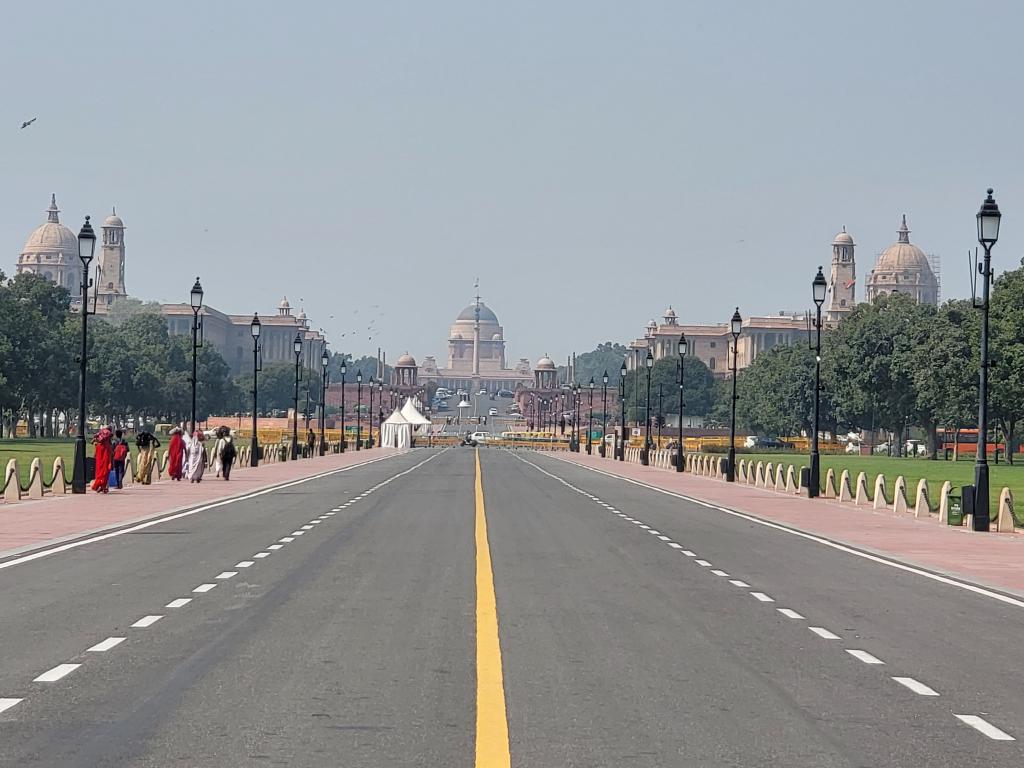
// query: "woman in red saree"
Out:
[176,455]
[104,459]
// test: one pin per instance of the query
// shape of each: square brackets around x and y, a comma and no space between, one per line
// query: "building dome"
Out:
[903,268]
[496,337]
[843,238]
[284,304]
[670,312]
[545,364]
[469,313]
[52,237]
[902,255]
[113,220]
[406,361]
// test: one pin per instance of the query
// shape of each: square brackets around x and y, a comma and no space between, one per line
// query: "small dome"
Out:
[113,220]
[843,238]
[302,314]
[670,312]
[284,304]
[496,337]
[486,315]
[545,364]
[406,361]
[52,237]
[652,324]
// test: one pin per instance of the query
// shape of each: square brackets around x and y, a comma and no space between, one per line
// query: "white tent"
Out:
[420,423]
[396,431]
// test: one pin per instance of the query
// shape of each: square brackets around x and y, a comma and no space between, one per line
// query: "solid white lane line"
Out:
[227,574]
[790,613]
[762,597]
[738,583]
[181,601]
[245,564]
[55,674]
[917,687]
[6,704]
[105,645]
[206,587]
[275,546]
[703,563]
[864,656]
[688,553]
[147,621]
[824,633]
[261,554]
[985,727]
[287,539]
[717,572]
[674,545]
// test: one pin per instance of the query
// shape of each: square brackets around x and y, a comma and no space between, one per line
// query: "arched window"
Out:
[711,364]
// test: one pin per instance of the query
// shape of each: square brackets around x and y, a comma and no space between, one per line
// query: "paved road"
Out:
[632,629]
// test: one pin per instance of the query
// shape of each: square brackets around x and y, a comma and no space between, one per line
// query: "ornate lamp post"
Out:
[344,370]
[604,414]
[621,443]
[369,416]
[661,412]
[325,360]
[297,349]
[590,415]
[682,369]
[735,326]
[196,299]
[86,249]
[577,402]
[819,286]
[359,409]
[380,408]
[645,454]
[254,443]
[988,233]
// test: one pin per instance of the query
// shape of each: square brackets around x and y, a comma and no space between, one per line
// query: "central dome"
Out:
[52,237]
[903,255]
[469,313]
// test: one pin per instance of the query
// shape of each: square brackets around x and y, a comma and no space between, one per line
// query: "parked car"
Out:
[492,412]
[505,393]
[482,392]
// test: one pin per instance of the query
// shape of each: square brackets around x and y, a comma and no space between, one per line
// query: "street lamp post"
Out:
[86,249]
[988,233]
[297,349]
[369,416]
[359,409]
[621,442]
[661,412]
[682,371]
[604,415]
[380,409]
[645,454]
[590,416]
[577,403]
[254,443]
[344,370]
[735,326]
[196,298]
[818,288]
[325,360]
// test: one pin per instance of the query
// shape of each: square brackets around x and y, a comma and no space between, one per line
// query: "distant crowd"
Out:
[187,457]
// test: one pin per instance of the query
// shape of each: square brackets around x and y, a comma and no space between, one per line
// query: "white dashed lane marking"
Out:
[985,727]
[738,583]
[864,656]
[717,572]
[688,553]
[919,688]
[147,621]
[178,603]
[790,613]
[762,597]
[297,533]
[6,704]
[287,539]
[260,555]
[674,545]
[227,574]
[824,633]
[244,564]
[206,587]
[275,546]
[703,563]
[55,674]
[105,645]
[307,527]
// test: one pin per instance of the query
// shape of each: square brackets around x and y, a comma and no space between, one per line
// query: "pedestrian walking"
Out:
[120,456]
[196,461]
[104,457]
[176,455]
[310,442]
[147,444]
[226,454]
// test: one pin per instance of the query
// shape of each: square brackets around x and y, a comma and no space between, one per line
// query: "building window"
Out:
[712,344]
[711,362]
[842,303]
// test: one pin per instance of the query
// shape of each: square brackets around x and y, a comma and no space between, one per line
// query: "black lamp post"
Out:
[622,412]
[86,249]
[988,233]
[297,349]
[818,289]
[590,415]
[325,360]
[682,371]
[577,402]
[661,412]
[604,415]
[645,454]
[359,408]
[369,416]
[196,299]
[380,409]
[254,444]
[735,326]
[344,370]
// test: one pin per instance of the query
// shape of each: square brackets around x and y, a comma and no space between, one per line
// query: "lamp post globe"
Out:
[255,328]
[682,375]
[988,218]
[86,250]
[735,326]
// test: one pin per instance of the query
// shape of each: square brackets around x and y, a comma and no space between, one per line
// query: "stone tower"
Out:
[843,281]
[110,276]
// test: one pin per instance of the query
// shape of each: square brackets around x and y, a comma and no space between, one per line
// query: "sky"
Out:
[591,162]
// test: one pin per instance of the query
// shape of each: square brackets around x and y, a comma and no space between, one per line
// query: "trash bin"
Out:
[955,510]
[90,469]
[805,477]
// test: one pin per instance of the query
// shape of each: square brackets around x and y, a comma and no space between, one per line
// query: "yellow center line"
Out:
[491,721]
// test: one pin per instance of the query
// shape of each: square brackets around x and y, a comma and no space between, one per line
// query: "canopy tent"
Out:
[396,431]
[420,423]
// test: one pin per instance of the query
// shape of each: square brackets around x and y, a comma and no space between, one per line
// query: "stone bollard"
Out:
[845,491]
[751,473]
[1004,523]
[59,485]
[741,465]
[862,499]
[830,484]
[947,488]
[769,475]
[12,489]
[878,500]
[899,495]
[35,479]
[921,508]
[791,486]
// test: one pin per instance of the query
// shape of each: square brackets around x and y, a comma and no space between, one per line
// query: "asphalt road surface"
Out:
[430,610]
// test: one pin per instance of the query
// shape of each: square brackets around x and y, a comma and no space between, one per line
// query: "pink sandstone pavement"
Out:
[30,525]
[990,559]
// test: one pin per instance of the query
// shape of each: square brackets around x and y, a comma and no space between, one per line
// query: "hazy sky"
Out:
[591,162]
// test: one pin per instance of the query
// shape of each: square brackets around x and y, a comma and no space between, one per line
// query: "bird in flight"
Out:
[27,123]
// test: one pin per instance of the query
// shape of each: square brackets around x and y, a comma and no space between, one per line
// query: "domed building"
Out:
[462,333]
[903,268]
[51,251]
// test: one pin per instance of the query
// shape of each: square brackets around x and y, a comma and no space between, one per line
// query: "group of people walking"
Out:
[186,456]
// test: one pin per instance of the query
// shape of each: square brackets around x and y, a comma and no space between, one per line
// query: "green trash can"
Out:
[956,510]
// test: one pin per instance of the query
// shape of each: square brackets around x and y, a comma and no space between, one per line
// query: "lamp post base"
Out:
[814,479]
[730,470]
[981,516]
[78,479]
[254,450]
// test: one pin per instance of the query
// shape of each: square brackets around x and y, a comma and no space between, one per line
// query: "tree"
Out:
[698,393]
[776,393]
[1006,352]
[608,356]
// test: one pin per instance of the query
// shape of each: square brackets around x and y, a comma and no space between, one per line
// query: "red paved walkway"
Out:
[27,525]
[992,559]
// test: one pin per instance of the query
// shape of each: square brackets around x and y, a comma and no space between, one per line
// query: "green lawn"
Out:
[935,472]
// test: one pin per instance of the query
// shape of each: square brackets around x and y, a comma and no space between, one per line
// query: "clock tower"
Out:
[842,285]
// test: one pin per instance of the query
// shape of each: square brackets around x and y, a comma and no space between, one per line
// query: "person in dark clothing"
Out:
[120,447]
